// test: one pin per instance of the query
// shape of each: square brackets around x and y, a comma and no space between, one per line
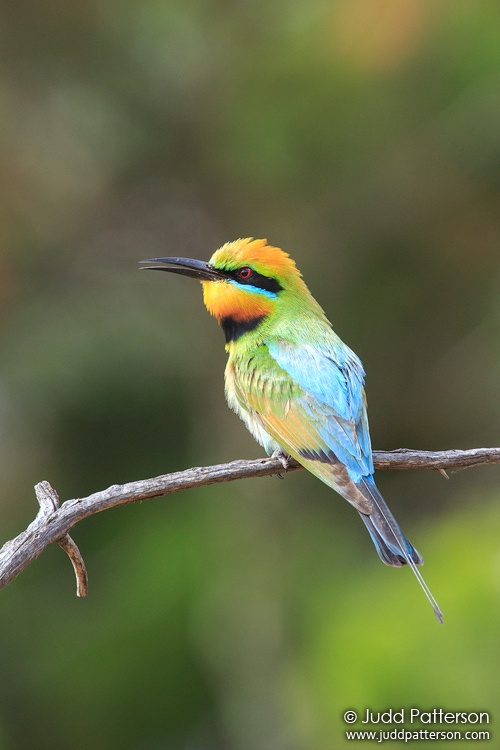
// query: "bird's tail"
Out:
[390,542]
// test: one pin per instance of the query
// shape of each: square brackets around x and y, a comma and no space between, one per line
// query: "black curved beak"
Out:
[197,269]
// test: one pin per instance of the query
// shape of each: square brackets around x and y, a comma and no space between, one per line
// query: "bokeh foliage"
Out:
[363,137]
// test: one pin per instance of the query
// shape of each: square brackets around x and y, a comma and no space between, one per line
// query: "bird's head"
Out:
[244,283]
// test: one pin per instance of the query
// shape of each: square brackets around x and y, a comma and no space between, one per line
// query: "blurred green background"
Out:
[362,136]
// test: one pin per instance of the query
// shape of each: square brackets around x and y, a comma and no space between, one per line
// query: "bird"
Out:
[295,384]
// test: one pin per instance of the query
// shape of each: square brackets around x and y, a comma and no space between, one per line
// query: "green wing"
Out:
[312,432]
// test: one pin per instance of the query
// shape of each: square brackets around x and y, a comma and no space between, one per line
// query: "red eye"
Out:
[245,273]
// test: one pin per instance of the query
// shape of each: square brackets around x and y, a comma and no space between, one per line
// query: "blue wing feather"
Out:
[332,379]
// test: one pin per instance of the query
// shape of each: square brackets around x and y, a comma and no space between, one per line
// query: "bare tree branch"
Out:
[49,502]
[54,521]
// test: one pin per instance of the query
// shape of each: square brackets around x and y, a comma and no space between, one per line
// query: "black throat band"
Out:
[233,329]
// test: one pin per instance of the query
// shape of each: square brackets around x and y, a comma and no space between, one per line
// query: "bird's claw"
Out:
[283,458]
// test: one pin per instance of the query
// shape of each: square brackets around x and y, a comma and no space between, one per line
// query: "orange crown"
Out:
[264,258]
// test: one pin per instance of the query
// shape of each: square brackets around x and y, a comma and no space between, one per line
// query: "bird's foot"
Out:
[283,458]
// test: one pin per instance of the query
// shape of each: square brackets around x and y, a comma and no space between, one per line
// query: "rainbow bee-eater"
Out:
[297,387]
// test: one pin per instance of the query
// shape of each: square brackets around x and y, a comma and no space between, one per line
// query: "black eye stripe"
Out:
[268,283]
